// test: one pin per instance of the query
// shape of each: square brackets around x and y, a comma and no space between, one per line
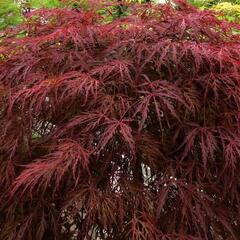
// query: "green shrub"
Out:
[203,4]
[45,3]
[10,13]
[229,10]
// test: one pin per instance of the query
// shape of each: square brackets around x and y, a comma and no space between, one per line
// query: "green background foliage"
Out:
[229,10]
[10,13]
[44,3]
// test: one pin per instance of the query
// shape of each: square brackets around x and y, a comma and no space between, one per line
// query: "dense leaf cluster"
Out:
[128,130]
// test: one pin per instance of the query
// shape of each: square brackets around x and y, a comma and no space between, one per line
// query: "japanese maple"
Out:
[126,130]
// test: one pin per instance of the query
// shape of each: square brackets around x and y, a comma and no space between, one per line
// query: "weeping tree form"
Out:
[126,131]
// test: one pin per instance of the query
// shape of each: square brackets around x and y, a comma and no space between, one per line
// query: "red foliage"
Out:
[126,130]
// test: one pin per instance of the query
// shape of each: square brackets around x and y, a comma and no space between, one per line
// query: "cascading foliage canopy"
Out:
[125,130]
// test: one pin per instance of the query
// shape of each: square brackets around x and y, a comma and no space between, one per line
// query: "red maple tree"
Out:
[126,130]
